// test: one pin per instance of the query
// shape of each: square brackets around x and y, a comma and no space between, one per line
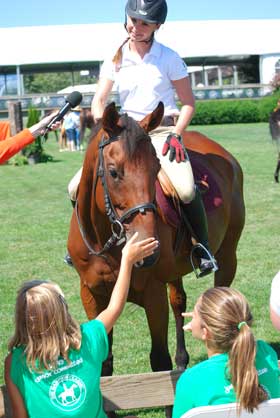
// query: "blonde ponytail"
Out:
[226,315]
[243,373]
[117,59]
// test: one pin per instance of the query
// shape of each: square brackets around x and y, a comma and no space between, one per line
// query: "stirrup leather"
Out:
[210,257]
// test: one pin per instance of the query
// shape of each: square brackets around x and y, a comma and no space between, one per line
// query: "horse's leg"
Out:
[157,312]
[177,297]
[226,255]
[82,133]
[92,308]
[276,174]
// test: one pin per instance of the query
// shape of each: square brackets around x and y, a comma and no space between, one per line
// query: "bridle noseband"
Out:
[117,227]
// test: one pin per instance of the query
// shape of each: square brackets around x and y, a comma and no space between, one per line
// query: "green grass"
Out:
[34,218]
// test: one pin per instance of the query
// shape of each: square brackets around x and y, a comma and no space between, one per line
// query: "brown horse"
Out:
[117,196]
[86,121]
[274,127]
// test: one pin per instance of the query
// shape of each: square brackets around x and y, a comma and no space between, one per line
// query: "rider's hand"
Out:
[174,145]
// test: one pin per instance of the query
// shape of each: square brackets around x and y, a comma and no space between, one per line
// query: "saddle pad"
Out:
[212,197]
[167,207]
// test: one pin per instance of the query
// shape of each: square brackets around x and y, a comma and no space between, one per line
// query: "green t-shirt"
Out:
[71,390]
[207,384]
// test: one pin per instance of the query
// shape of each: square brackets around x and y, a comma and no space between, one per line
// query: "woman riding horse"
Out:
[146,72]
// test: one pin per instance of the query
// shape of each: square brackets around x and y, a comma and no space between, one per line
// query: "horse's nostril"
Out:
[148,261]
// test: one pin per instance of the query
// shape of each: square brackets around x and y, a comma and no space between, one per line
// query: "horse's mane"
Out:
[132,136]
[94,131]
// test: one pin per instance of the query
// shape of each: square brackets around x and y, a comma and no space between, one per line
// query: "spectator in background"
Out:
[14,144]
[275,301]
[72,127]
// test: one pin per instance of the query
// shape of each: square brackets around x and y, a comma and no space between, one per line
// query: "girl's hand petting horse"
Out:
[134,250]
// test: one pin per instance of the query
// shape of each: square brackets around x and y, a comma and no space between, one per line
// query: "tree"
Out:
[46,83]
[53,82]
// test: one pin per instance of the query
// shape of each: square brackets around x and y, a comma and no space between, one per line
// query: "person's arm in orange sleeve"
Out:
[14,144]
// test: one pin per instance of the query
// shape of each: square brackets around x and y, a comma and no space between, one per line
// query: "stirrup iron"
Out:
[211,259]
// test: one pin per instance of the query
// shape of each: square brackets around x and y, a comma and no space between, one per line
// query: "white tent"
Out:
[93,42]
[234,39]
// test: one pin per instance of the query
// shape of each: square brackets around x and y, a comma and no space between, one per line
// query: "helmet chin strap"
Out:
[146,41]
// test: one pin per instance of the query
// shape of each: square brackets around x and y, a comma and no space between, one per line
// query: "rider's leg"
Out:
[73,185]
[194,216]
[72,190]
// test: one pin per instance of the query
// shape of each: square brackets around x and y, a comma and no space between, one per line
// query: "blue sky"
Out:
[59,12]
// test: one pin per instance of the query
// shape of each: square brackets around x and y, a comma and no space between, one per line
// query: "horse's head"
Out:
[128,168]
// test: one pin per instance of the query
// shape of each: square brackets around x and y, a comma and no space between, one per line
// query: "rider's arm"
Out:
[186,97]
[100,98]
[132,252]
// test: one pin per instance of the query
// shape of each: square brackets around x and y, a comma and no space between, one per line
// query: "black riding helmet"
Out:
[150,11]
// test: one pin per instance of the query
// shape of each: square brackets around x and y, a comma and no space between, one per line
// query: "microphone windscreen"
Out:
[74,98]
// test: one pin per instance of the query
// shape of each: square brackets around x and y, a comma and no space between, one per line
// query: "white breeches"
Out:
[73,185]
[180,174]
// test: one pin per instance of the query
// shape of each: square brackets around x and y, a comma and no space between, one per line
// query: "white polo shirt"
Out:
[143,83]
[275,294]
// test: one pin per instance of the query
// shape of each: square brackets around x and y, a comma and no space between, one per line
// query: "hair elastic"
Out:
[241,324]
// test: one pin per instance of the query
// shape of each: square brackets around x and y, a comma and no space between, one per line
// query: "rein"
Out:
[117,227]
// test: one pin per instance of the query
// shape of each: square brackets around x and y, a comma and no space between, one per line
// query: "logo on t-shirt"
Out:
[228,388]
[67,392]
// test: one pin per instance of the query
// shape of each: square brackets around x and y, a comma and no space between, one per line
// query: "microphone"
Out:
[72,100]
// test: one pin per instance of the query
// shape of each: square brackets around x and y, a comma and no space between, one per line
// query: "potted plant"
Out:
[34,152]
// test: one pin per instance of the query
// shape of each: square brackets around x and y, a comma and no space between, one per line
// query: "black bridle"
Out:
[117,222]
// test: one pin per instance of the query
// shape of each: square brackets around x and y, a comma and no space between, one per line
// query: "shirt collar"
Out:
[155,50]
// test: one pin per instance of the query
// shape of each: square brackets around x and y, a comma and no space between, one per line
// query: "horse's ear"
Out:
[110,118]
[152,120]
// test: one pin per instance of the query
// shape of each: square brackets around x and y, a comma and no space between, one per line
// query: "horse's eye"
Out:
[113,173]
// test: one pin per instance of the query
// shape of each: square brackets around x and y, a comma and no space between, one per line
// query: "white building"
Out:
[208,44]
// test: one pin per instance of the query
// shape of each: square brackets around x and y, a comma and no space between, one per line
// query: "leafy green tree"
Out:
[53,82]
[46,83]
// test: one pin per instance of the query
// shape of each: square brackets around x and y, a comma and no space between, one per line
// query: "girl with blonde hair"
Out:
[238,368]
[54,365]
